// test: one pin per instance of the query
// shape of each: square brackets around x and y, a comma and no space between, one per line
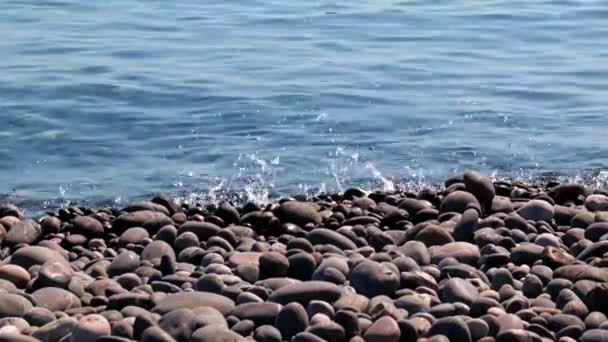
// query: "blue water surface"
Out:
[113,100]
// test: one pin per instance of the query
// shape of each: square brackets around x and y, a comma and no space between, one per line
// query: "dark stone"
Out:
[434,235]
[537,210]
[330,331]
[306,291]
[568,192]
[151,220]
[291,320]
[125,262]
[299,213]
[453,328]
[273,264]
[480,186]
[307,337]
[371,279]
[156,334]
[267,333]
[349,321]
[323,236]
[517,335]
[458,201]
[596,230]
[39,316]
[526,253]
[244,327]
[179,324]
[259,313]
[466,226]
[56,329]
[595,335]
[203,230]
[458,290]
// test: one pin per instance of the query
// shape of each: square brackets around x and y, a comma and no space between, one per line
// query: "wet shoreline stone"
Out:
[479,260]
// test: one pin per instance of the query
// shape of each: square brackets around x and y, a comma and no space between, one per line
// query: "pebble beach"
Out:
[475,260]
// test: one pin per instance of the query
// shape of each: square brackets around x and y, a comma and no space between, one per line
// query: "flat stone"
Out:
[192,300]
[306,291]
[323,236]
[464,252]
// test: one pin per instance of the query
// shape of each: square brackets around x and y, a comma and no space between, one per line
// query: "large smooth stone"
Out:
[142,218]
[323,236]
[91,327]
[179,324]
[156,250]
[259,313]
[596,202]
[12,305]
[155,334]
[580,272]
[595,335]
[15,274]
[299,213]
[596,249]
[417,251]
[191,300]
[125,262]
[133,235]
[526,253]
[56,330]
[597,298]
[26,231]
[213,333]
[434,235]
[567,192]
[55,299]
[291,320]
[537,210]
[480,186]
[29,256]
[88,226]
[458,201]
[464,252]
[371,279]
[306,291]
[384,329]
[452,328]
[458,290]
[203,230]
[206,315]
[55,274]
[466,226]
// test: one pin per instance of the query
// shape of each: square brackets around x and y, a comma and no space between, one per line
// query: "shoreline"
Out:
[474,260]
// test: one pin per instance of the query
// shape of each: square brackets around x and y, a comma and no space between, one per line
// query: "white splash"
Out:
[387,184]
